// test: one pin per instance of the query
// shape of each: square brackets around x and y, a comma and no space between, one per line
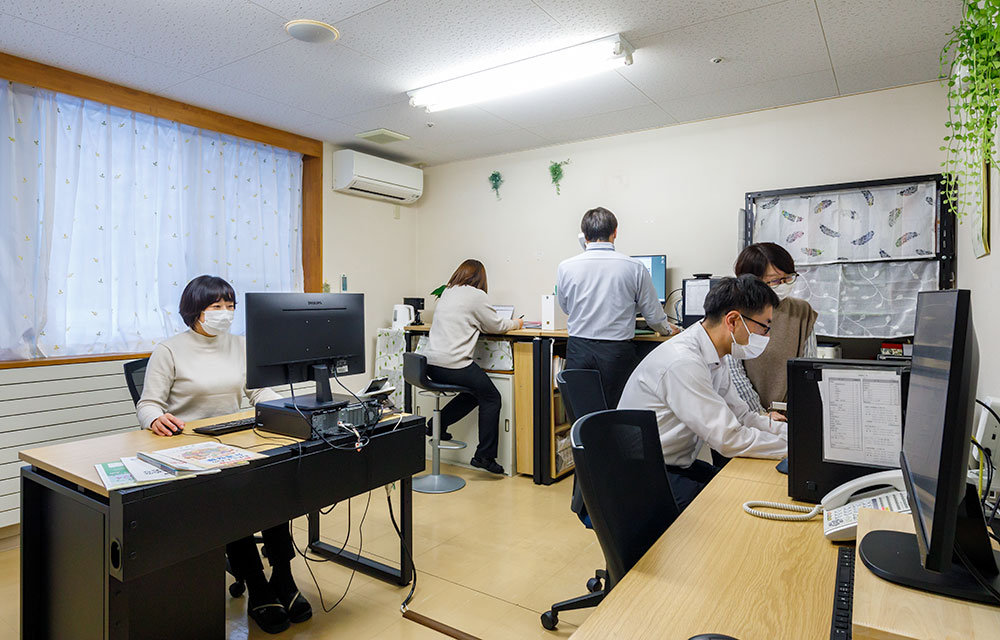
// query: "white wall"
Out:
[364,239]
[675,190]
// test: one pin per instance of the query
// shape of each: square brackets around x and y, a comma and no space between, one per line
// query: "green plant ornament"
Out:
[495,181]
[437,292]
[970,68]
[556,171]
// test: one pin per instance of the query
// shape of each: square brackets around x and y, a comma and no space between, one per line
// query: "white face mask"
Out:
[783,290]
[751,349]
[218,320]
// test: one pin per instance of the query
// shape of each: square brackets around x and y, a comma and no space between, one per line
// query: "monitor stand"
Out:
[323,399]
[895,556]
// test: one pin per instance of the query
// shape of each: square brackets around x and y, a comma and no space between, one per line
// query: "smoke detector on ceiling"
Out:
[382,136]
[311,31]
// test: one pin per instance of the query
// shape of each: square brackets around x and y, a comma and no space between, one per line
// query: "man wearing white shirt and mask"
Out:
[687,384]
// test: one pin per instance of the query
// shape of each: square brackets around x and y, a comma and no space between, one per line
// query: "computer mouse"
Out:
[179,431]
[711,636]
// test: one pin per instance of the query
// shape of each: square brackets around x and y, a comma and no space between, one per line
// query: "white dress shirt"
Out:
[601,290]
[688,386]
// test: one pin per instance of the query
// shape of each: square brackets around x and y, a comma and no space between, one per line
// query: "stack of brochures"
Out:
[172,464]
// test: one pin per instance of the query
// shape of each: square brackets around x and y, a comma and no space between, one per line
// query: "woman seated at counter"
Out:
[462,313]
[201,373]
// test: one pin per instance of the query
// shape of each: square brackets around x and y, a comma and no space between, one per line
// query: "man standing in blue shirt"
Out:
[601,291]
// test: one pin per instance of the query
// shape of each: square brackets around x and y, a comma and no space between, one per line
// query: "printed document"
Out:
[862,417]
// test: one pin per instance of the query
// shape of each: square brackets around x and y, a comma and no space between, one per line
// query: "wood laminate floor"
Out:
[490,559]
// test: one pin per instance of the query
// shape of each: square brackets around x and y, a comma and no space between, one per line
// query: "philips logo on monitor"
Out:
[314,302]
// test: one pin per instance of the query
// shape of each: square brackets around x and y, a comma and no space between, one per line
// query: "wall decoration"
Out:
[437,292]
[496,179]
[981,218]
[972,75]
[556,171]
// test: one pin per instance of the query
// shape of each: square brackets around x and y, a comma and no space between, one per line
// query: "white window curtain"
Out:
[106,214]
[863,254]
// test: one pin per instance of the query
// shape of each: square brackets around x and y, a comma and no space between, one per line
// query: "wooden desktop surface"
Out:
[717,569]
[75,461]
[538,333]
[886,611]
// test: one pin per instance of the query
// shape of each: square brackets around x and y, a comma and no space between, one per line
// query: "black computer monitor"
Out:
[295,337]
[657,267]
[951,545]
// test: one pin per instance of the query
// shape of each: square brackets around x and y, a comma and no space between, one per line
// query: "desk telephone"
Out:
[883,491]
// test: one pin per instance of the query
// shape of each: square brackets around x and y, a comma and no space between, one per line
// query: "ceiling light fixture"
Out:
[541,71]
[311,31]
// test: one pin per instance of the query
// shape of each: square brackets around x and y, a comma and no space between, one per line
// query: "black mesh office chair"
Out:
[619,465]
[135,376]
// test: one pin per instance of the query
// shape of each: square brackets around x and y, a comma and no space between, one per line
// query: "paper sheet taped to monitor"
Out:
[862,419]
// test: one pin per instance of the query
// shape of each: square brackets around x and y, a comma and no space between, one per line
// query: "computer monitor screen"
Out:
[946,509]
[939,414]
[657,267]
[295,337]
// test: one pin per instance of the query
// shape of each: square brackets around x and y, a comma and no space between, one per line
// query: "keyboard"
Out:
[843,599]
[223,428]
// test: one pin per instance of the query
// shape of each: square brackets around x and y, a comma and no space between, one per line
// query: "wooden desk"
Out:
[717,569]
[887,611]
[96,564]
[75,462]
[538,423]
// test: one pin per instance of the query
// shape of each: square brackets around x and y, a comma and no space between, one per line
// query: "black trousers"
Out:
[484,395]
[244,559]
[614,359]
[687,483]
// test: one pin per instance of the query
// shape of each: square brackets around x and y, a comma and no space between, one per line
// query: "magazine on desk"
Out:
[200,458]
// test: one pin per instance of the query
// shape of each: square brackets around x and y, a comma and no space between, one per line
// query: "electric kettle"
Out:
[402,315]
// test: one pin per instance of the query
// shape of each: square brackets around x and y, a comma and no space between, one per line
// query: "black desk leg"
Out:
[365,565]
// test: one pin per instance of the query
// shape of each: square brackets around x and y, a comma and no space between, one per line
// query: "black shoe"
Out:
[299,609]
[268,612]
[487,465]
[430,433]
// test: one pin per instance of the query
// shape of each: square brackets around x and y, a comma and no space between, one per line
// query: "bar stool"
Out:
[415,373]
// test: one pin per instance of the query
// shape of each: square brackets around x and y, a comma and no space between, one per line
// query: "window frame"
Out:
[43,76]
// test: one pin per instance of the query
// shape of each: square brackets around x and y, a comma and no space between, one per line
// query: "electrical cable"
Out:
[971,568]
[406,549]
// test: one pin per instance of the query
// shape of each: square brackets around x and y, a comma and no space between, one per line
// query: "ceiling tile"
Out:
[507,142]
[450,125]
[325,78]
[861,32]
[41,44]
[639,18]
[434,40]
[762,95]
[780,40]
[584,97]
[330,11]
[914,67]
[647,116]
[211,95]
[192,35]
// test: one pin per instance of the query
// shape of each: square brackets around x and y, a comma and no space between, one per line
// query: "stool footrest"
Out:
[452,444]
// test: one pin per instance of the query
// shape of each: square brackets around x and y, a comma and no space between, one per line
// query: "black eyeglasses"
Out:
[767,328]
[785,279]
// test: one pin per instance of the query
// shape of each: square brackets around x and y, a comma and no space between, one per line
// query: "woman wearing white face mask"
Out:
[201,373]
[763,379]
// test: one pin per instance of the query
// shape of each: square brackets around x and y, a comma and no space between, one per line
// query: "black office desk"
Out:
[149,562]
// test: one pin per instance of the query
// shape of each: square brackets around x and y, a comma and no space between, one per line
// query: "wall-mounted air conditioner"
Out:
[363,175]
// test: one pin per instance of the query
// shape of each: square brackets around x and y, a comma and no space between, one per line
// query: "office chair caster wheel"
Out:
[550,619]
[237,588]
[594,585]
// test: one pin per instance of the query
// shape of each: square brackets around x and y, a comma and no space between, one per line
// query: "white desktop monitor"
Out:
[657,267]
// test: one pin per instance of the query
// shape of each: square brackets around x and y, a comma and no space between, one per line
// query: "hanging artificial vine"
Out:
[495,181]
[556,171]
[973,81]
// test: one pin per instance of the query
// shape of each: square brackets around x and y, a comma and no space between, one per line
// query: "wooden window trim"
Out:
[40,75]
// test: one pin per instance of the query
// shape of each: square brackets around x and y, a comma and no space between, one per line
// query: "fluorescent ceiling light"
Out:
[542,71]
